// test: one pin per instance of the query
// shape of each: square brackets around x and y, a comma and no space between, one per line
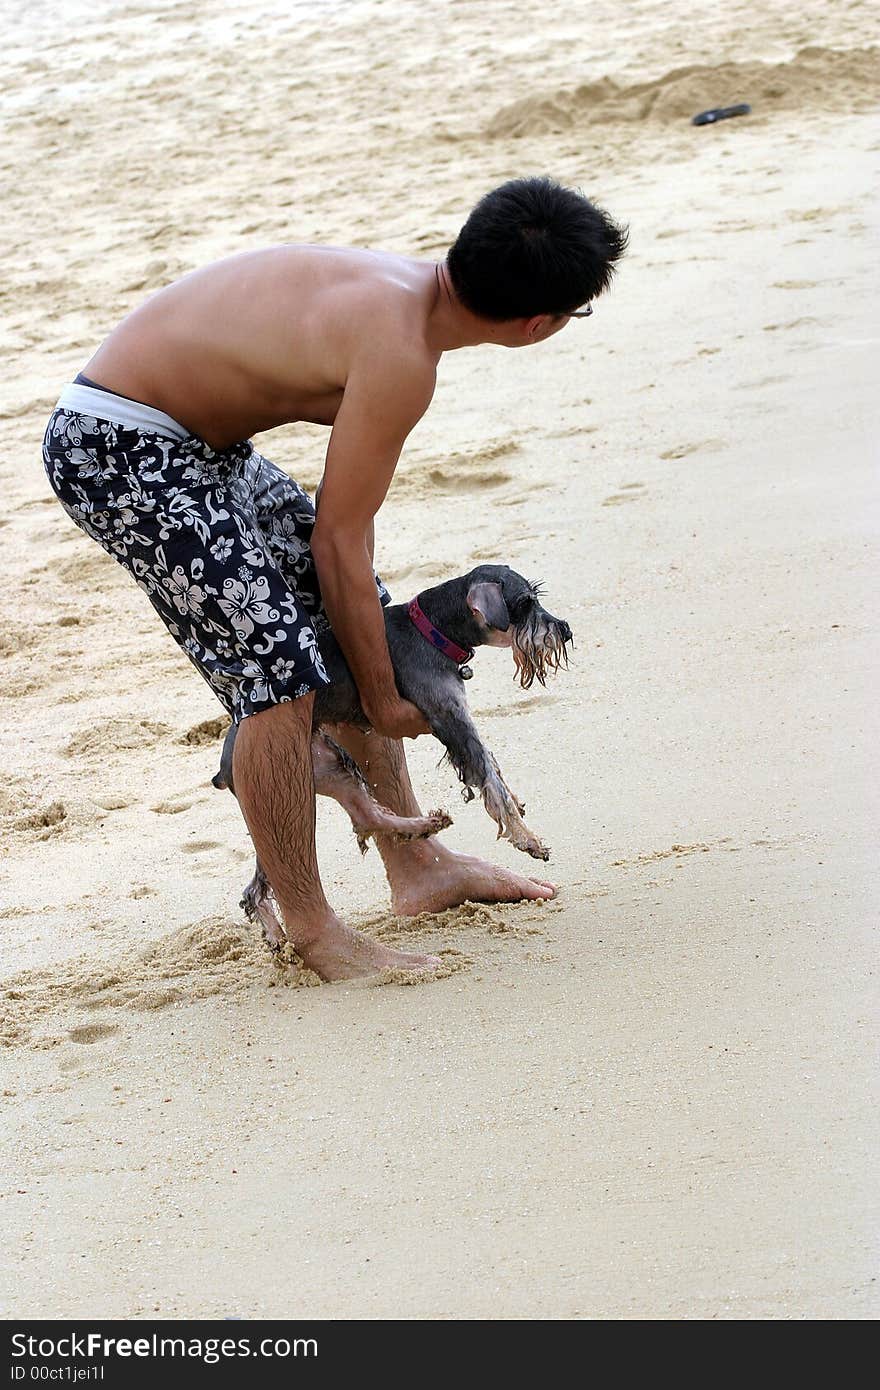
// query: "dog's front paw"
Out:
[529,844]
[274,938]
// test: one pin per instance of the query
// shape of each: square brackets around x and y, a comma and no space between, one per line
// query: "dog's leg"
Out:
[258,907]
[256,900]
[520,805]
[476,767]
[337,775]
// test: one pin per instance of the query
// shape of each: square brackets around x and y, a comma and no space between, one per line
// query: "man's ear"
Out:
[535,326]
[487,602]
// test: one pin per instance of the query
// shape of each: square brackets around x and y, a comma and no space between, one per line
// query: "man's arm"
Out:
[384,398]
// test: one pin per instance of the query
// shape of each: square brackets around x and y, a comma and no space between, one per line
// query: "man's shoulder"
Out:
[400,375]
[389,333]
[391,296]
[391,370]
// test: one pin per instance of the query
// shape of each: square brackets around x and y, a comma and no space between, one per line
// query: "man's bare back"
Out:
[268,337]
[347,338]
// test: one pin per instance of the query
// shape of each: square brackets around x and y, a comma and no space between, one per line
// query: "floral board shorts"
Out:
[217,539]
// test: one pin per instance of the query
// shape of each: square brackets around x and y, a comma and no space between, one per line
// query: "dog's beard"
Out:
[539,649]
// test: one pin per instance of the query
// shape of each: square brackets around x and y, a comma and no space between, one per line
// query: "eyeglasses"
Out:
[581,313]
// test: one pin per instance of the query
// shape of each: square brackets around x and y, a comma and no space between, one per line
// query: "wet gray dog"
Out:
[430,640]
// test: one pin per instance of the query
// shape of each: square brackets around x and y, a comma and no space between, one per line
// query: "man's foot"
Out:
[339,953]
[431,878]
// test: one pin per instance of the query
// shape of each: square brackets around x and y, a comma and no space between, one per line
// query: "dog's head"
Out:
[507,611]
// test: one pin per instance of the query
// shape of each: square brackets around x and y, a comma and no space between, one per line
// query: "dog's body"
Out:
[490,606]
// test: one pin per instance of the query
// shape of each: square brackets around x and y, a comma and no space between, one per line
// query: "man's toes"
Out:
[548,890]
[534,888]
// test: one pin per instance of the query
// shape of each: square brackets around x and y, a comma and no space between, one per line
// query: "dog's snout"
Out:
[539,646]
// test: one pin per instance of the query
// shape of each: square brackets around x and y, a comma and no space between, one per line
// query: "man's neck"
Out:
[450,325]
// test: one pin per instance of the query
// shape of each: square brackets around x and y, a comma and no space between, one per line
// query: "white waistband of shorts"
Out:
[119,410]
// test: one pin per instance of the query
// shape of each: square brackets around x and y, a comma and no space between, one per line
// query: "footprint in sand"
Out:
[760,381]
[112,801]
[793,323]
[207,857]
[208,731]
[680,451]
[86,564]
[15,639]
[491,554]
[515,709]
[451,479]
[92,1032]
[208,957]
[54,818]
[14,910]
[37,502]
[629,492]
[460,473]
[112,735]
[173,806]
[412,576]
[824,215]
[572,431]
[44,818]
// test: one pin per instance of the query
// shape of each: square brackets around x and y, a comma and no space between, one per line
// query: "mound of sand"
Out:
[815,78]
[210,957]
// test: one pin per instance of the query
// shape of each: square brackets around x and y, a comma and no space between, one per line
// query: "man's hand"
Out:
[397,719]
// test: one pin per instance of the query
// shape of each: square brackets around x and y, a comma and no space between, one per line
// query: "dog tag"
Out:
[466,672]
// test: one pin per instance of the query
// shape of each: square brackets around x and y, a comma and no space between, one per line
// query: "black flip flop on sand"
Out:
[721,113]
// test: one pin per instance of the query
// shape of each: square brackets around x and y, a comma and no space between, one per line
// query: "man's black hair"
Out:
[533,247]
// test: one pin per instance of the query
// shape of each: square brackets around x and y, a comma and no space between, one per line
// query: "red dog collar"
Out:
[451,649]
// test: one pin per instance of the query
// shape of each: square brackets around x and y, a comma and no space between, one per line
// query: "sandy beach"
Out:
[655,1097]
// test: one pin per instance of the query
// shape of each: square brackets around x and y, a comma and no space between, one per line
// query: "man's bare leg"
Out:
[424,875]
[272,768]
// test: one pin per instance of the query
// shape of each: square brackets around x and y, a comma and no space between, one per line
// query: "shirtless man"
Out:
[149,453]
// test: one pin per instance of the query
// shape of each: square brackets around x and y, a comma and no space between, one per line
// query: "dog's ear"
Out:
[487,602]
